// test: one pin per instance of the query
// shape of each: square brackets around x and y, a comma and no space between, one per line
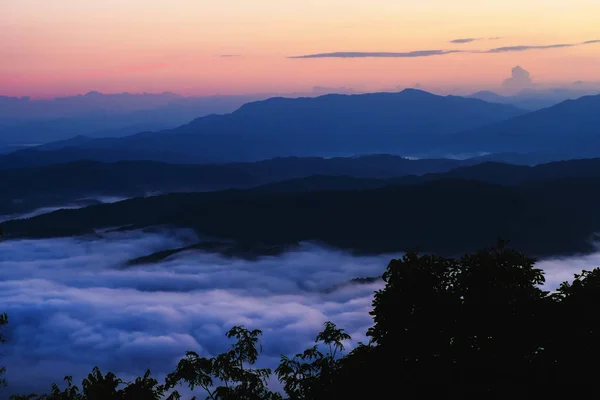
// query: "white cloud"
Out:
[72,304]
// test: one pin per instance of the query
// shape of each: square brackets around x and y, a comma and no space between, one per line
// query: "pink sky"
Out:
[61,47]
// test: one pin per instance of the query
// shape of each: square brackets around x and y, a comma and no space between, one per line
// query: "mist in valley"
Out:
[78,203]
[73,303]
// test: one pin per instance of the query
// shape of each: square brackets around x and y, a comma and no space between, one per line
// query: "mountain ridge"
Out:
[327,125]
[545,218]
[570,127]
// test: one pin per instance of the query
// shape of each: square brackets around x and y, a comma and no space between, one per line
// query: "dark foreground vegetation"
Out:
[474,327]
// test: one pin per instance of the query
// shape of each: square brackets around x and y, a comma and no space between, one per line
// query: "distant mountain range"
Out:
[571,128]
[488,172]
[408,123]
[546,210]
[443,216]
[24,121]
[533,100]
[24,189]
[405,123]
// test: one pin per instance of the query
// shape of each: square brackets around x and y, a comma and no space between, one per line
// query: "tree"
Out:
[227,376]
[468,326]
[145,387]
[71,392]
[97,386]
[574,343]
[309,375]
[3,322]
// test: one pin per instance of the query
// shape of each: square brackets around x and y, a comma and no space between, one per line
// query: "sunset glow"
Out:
[62,47]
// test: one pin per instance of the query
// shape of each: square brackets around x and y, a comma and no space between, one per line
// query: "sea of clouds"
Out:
[74,304]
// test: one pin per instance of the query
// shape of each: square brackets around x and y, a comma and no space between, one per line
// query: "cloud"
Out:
[526,48]
[520,79]
[429,53]
[470,40]
[359,54]
[229,55]
[73,305]
[561,269]
[466,40]
[544,47]
[68,206]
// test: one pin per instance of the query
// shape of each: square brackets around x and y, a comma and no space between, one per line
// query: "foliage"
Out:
[97,386]
[308,375]
[3,322]
[229,375]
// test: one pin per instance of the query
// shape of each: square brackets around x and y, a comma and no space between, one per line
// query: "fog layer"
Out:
[73,304]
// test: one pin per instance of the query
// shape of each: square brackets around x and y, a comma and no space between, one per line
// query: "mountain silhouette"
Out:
[545,218]
[332,125]
[24,121]
[534,99]
[570,128]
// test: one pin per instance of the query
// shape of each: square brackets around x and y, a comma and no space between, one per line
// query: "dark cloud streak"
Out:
[526,48]
[430,53]
[360,54]
[466,40]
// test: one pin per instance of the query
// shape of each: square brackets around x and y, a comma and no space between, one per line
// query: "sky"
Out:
[201,47]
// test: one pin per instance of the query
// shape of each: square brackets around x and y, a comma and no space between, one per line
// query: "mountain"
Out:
[31,122]
[570,128]
[525,101]
[490,97]
[488,172]
[530,158]
[91,103]
[33,157]
[443,216]
[331,125]
[24,189]
[535,99]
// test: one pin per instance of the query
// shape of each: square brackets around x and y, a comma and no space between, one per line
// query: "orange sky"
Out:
[60,47]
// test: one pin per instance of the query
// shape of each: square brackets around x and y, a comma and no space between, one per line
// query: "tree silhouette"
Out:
[309,375]
[145,387]
[97,386]
[468,326]
[227,376]
[3,322]
[71,392]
